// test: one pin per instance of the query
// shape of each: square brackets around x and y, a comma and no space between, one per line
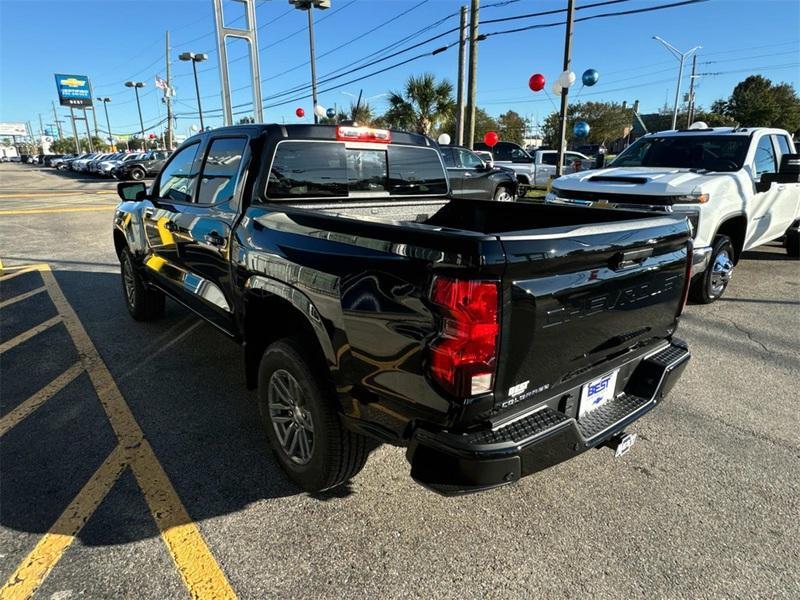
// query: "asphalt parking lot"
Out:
[132,463]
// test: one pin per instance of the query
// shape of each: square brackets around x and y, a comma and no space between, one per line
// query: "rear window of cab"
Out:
[340,170]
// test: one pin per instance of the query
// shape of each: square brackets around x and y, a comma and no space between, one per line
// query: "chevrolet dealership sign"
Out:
[74,90]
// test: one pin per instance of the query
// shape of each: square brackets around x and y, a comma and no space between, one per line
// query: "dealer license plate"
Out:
[598,392]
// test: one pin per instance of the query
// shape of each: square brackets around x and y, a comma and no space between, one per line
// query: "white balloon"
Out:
[556,88]
[320,110]
[566,79]
[444,139]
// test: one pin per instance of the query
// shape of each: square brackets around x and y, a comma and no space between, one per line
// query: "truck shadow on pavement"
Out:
[184,384]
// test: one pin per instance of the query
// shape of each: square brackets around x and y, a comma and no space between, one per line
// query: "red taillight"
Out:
[348,133]
[464,354]
[687,283]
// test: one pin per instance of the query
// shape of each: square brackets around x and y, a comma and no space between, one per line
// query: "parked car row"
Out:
[120,165]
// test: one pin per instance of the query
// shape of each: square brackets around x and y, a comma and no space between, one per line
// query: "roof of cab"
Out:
[311,132]
[744,131]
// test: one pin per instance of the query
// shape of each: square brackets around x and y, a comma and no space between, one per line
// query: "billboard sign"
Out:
[74,90]
[13,129]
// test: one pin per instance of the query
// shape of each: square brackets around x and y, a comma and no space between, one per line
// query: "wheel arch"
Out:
[735,227]
[523,179]
[274,310]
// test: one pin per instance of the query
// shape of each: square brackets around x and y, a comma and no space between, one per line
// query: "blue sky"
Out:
[124,39]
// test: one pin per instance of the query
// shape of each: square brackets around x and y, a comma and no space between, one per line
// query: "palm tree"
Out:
[424,104]
[361,113]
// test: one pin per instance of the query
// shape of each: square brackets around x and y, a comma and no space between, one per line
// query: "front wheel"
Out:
[502,194]
[298,412]
[792,241]
[710,286]
[143,303]
[137,174]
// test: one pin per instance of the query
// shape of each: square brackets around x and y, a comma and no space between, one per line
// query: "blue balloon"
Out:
[331,113]
[590,77]
[581,129]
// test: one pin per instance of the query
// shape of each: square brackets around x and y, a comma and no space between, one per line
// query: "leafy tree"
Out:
[484,123]
[607,122]
[757,102]
[361,113]
[511,127]
[422,106]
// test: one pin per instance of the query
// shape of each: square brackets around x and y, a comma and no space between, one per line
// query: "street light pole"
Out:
[196,57]
[105,102]
[681,56]
[309,5]
[136,85]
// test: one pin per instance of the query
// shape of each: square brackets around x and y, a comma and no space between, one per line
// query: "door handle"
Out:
[171,226]
[214,239]
[467,174]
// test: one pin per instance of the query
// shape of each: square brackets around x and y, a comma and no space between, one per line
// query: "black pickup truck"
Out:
[491,339]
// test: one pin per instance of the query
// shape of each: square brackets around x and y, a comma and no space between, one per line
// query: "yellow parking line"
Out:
[22,297]
[39,211]
[18,414]
[32,571]
[200,572]
[20,270]
[25,336]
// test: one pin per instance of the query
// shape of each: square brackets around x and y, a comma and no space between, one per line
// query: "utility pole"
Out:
[168,98]
[41,126]
[562,126]
[58,123]
[74,130]
[462,51]
[469,129]
[690,111]
[313,62]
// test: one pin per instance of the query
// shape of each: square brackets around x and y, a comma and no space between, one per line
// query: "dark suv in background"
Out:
[470,177]
[149,166]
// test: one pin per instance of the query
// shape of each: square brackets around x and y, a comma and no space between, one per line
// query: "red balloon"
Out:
[536,82]
[300,113]
[491,138]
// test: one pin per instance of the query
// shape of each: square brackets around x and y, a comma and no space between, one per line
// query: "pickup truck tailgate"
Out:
[577,299]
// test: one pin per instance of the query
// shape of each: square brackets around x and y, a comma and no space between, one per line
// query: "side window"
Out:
[447,157]
[502,152]
[765,157]
[783,146]
[549,158]
[468,159]
[179,176]
[221,170]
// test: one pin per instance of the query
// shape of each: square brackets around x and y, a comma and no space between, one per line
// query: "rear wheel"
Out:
[503,194]
[302,425]
[144,304]
[710,286]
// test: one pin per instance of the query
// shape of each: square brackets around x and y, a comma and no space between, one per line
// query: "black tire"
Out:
[137,174]
[334,454]
[792,242]
[710,286]
[144,303]
[503,194]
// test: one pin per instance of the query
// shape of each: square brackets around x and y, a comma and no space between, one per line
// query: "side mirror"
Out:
[488,164]
[790,165]
[132,190]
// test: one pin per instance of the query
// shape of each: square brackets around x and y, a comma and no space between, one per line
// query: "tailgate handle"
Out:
[631,258]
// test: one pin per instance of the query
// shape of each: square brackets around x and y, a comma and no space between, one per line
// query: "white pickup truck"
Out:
[739,187]
[534,168]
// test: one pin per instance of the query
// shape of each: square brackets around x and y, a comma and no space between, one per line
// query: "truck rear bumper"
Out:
[459,463]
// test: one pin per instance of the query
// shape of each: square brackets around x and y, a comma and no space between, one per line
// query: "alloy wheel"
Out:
[290,417]
[721,273]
